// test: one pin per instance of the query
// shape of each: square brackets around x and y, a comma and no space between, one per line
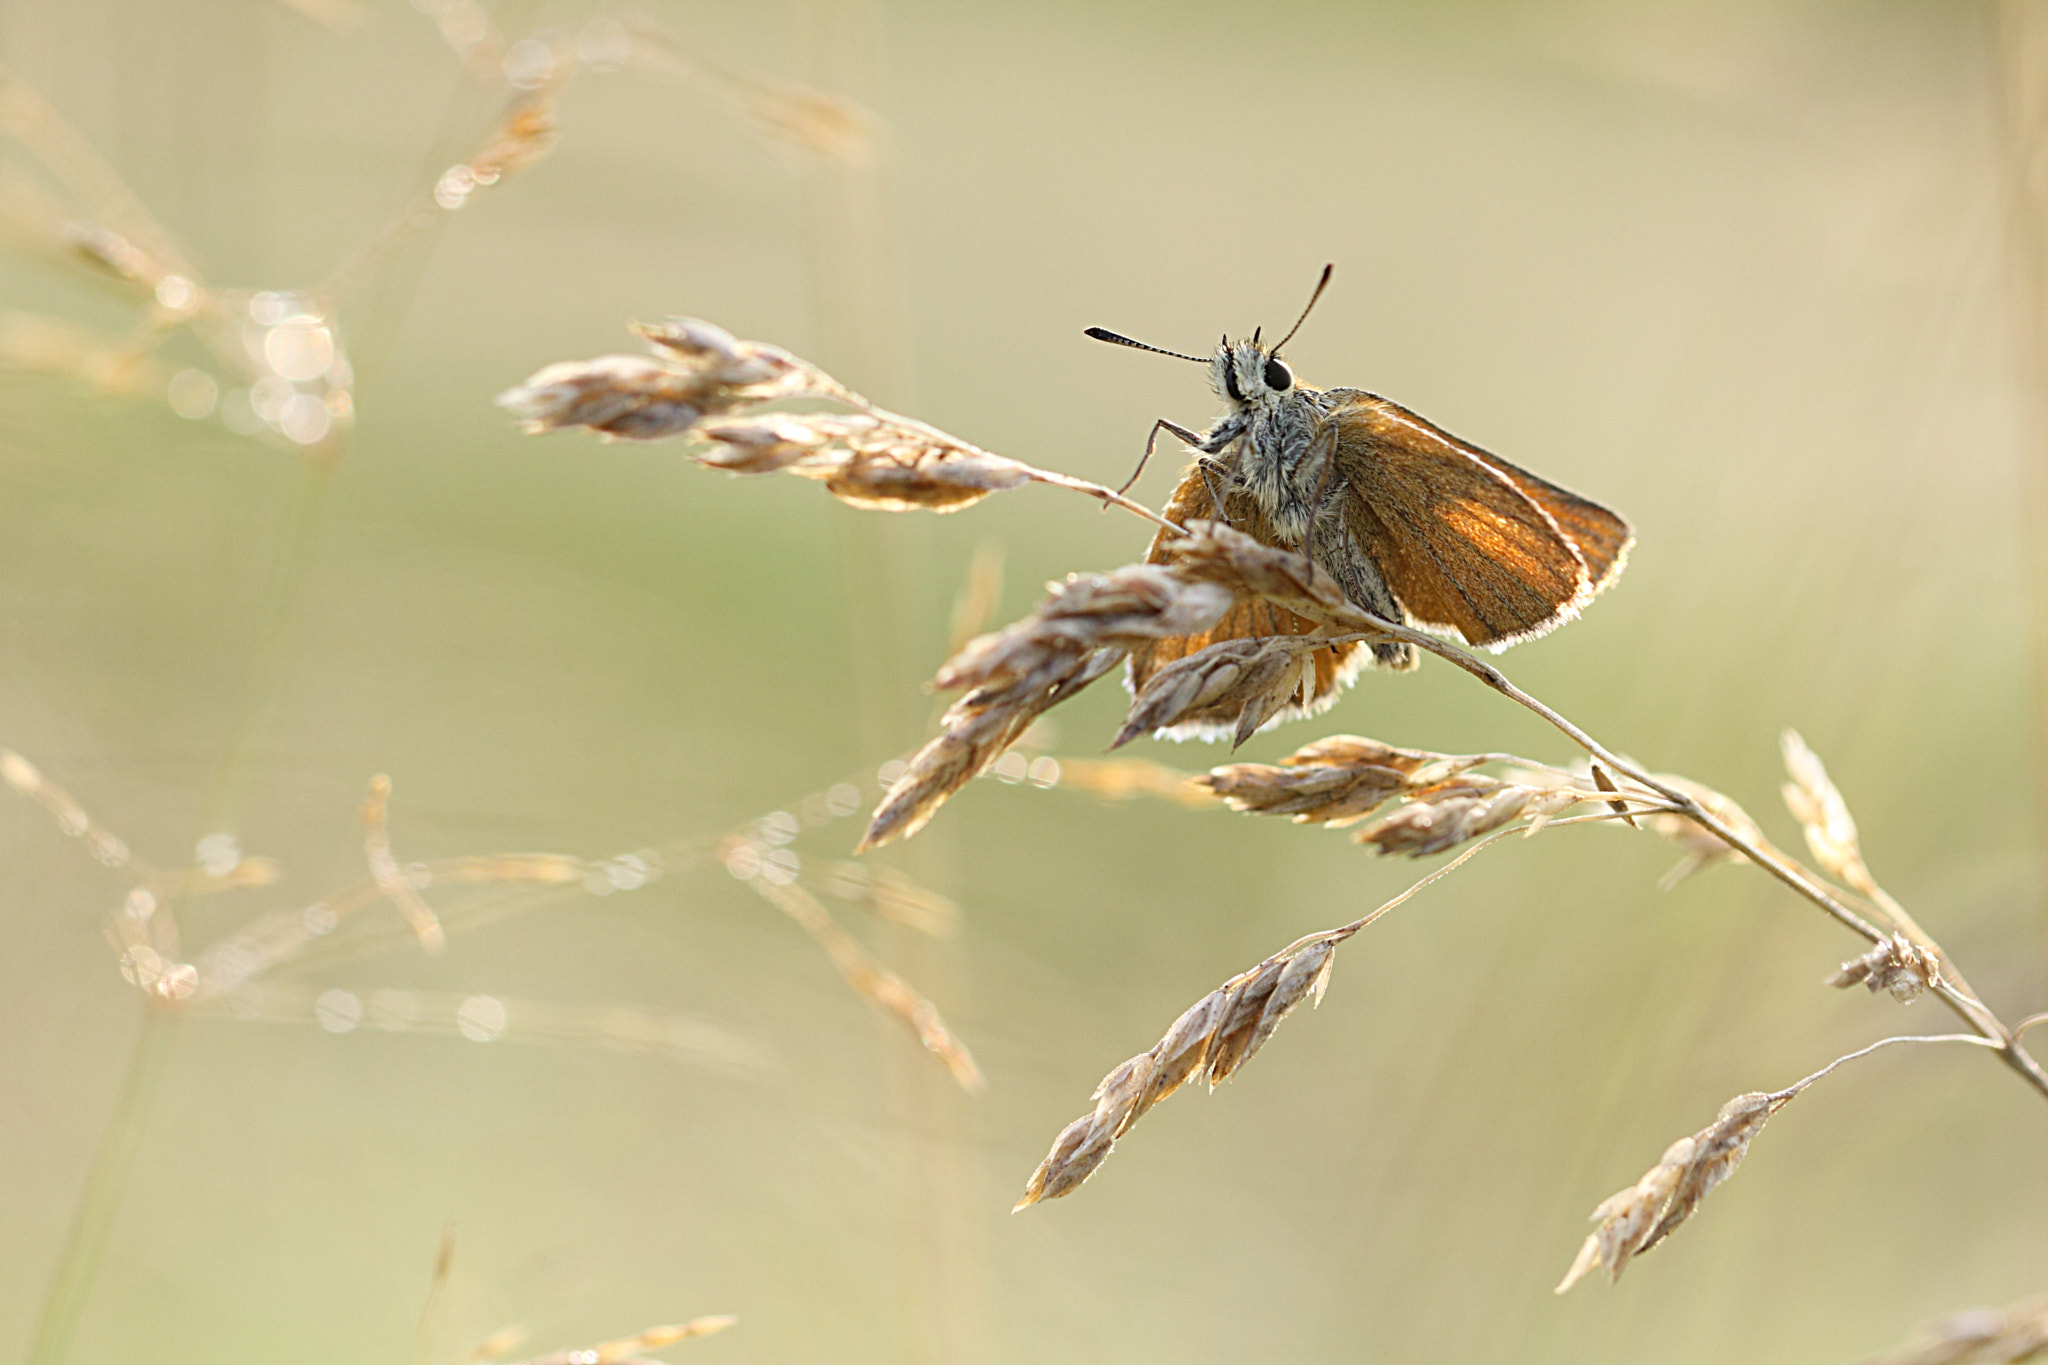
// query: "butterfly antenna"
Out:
[1104,334]
[1321,284]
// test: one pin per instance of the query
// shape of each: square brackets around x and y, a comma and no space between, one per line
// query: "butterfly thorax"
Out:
[1270,449]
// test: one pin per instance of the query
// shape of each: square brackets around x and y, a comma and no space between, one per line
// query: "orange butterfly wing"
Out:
[1468,542]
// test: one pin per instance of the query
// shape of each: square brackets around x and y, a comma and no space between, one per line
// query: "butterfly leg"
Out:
[1151,440]
[1209,470]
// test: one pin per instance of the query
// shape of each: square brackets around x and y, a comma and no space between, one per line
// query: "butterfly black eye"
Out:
[1278,377]
[1230,382]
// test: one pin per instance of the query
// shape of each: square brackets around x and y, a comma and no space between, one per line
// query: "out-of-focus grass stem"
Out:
[100,1197]
[2020,48]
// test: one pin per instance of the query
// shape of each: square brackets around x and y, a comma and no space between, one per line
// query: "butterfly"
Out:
[1414,524]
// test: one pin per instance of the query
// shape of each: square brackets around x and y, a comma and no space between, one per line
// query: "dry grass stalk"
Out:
[282,936]
[1977,1336]
[894,897]
[974,733]
[484,1018]
[872,458]
[282,349]
[230,977]
[979,727]
[863,973]
[1898,965]
[1015,675]
[526,132]
[628,1350]
[796,115]
[1216,553]
[385,871]
[1702,847]
[1086,612]
[71,818]
[226,979]
[1907,960]
[1124,779]
[981,592]
[1211,1040]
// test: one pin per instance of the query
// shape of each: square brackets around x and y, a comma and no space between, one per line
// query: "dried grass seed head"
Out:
[866,459]
[1701,846]
[1218,553]
[1014,675]
[1234,682]
[1636,1219]
[975,731]
[1338,780]
[1977,1336]
[1818,806]
[625,397]
[1897,965]
[698,370]
[1213,1038]
[1083,613]
[1443,816]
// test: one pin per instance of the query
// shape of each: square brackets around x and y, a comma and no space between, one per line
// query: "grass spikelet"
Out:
[1215,1037]
[1897,965]
[1822,813]
[1334,781]
[1977,1336]
[1086,612]
[864,460]
[698,370]
[1637,1218]
[974,732]
[1015,675]
[1702,848]
[1216,553]
[1234,682]
[1449,813]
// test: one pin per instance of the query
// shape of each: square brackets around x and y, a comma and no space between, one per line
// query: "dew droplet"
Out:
[300,348]
[338,1011]
[304,419]
[481,1018]
[192,394]
[176,293]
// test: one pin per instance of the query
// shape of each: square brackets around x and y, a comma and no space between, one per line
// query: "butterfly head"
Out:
[1249,375]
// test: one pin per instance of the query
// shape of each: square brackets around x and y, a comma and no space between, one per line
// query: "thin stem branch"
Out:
[1967,1007]
[1974,1039]
[93,1217]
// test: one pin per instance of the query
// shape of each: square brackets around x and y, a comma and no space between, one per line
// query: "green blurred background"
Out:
[1744,270]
